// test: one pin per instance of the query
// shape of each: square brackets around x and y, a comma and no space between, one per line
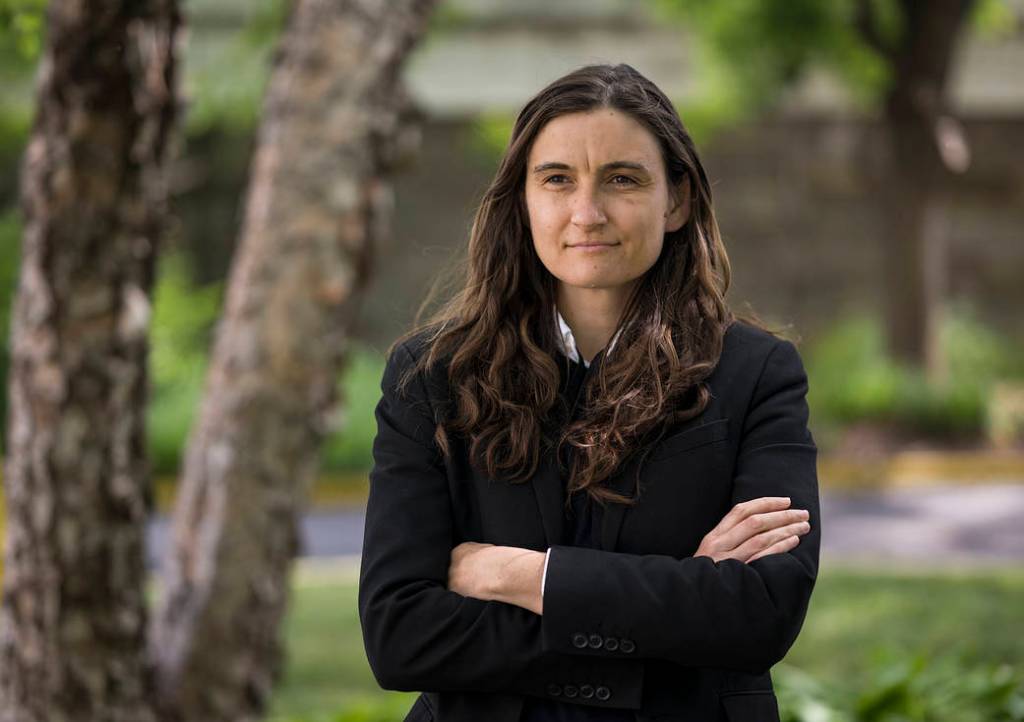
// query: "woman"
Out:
[594,494]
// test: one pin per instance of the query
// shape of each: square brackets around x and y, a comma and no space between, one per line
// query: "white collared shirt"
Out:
[570,350]
[569,341]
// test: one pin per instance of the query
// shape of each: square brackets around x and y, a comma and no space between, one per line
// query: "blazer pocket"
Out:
[419,712]
[752,706]
[690,438]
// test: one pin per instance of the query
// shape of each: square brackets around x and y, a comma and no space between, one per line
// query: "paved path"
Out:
[944,526]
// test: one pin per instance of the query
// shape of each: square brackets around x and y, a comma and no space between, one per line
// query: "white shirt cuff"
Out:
[544,576]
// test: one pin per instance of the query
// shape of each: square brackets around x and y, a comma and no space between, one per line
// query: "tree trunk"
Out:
[73,616]
[334,123]
[924,145]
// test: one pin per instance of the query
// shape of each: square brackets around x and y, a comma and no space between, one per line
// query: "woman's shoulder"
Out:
[411,346]
[407,352]
[750,342]
[743,334]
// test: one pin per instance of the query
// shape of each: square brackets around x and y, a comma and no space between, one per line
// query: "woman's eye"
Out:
[626,178]
[551,178]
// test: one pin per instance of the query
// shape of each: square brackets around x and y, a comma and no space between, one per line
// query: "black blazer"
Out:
[640,622]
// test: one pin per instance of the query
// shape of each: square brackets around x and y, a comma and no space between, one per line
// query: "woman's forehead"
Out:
[594,138]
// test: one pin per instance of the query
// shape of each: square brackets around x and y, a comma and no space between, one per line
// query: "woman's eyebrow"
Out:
[614,165]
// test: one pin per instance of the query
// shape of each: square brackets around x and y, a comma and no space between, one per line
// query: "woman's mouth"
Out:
[593,246]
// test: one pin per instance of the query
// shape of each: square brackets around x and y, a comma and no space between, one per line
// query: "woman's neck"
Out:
[592,314]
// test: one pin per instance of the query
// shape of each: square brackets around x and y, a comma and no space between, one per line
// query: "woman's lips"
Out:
[593,246]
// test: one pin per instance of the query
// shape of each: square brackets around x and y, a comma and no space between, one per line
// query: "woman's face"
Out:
[598,199]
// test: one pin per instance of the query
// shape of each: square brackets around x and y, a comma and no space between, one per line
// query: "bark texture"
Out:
[335,121]
[925,146]
[73,617]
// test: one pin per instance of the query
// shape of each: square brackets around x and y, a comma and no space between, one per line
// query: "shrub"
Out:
[904,688]
[852,379]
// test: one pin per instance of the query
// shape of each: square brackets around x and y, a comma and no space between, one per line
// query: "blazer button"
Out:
[595,641]
[627,646]
[579,640]
[554,690]
[586,691]
[570,691]
[603,693]
[611,644]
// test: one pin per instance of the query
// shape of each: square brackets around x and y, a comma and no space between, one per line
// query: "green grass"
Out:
[326,665]
[856,619]
[858,623]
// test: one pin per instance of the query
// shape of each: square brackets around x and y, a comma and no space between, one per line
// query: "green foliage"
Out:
[216,98]
[749,51]
[21,29]
[448,17]
[489,135]
[804,698]
[349,448]
[10,260]
[902,688]
[265,23]
[852,379]
[183,320]
[994,19]
[755,49]
[180,335]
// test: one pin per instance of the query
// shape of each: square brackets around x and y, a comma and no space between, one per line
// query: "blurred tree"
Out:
[335,122]
[893,54]
[73,616]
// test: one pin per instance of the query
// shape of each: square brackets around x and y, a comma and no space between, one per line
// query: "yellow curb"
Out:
[343,489]
[921,468]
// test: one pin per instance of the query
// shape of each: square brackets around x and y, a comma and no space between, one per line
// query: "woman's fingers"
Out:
[753,547]
[757,524]
[781,546]
[745,509]
[752,526]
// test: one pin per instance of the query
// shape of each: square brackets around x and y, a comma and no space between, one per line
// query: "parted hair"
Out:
[497,334]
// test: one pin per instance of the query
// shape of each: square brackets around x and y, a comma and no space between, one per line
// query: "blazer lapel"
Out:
[622,482]
[548,484]
[549,491]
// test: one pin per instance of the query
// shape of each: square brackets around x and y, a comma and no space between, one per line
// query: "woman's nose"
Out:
[586,209]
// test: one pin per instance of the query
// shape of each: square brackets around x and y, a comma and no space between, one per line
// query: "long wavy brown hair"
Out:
[497,334]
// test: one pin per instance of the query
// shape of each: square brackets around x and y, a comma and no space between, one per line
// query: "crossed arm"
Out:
[513,575]
[708,610]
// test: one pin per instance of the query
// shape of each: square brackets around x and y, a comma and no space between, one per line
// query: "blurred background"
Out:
[915,357]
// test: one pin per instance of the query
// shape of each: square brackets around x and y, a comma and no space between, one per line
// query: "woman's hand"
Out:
[755,528]
[497,573]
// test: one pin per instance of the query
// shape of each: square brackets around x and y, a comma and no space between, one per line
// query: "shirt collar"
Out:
[569,341]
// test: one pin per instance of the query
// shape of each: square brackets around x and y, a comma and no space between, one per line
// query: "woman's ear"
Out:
[679,212]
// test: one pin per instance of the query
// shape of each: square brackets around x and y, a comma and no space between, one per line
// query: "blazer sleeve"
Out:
[694,611]
[418,635]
